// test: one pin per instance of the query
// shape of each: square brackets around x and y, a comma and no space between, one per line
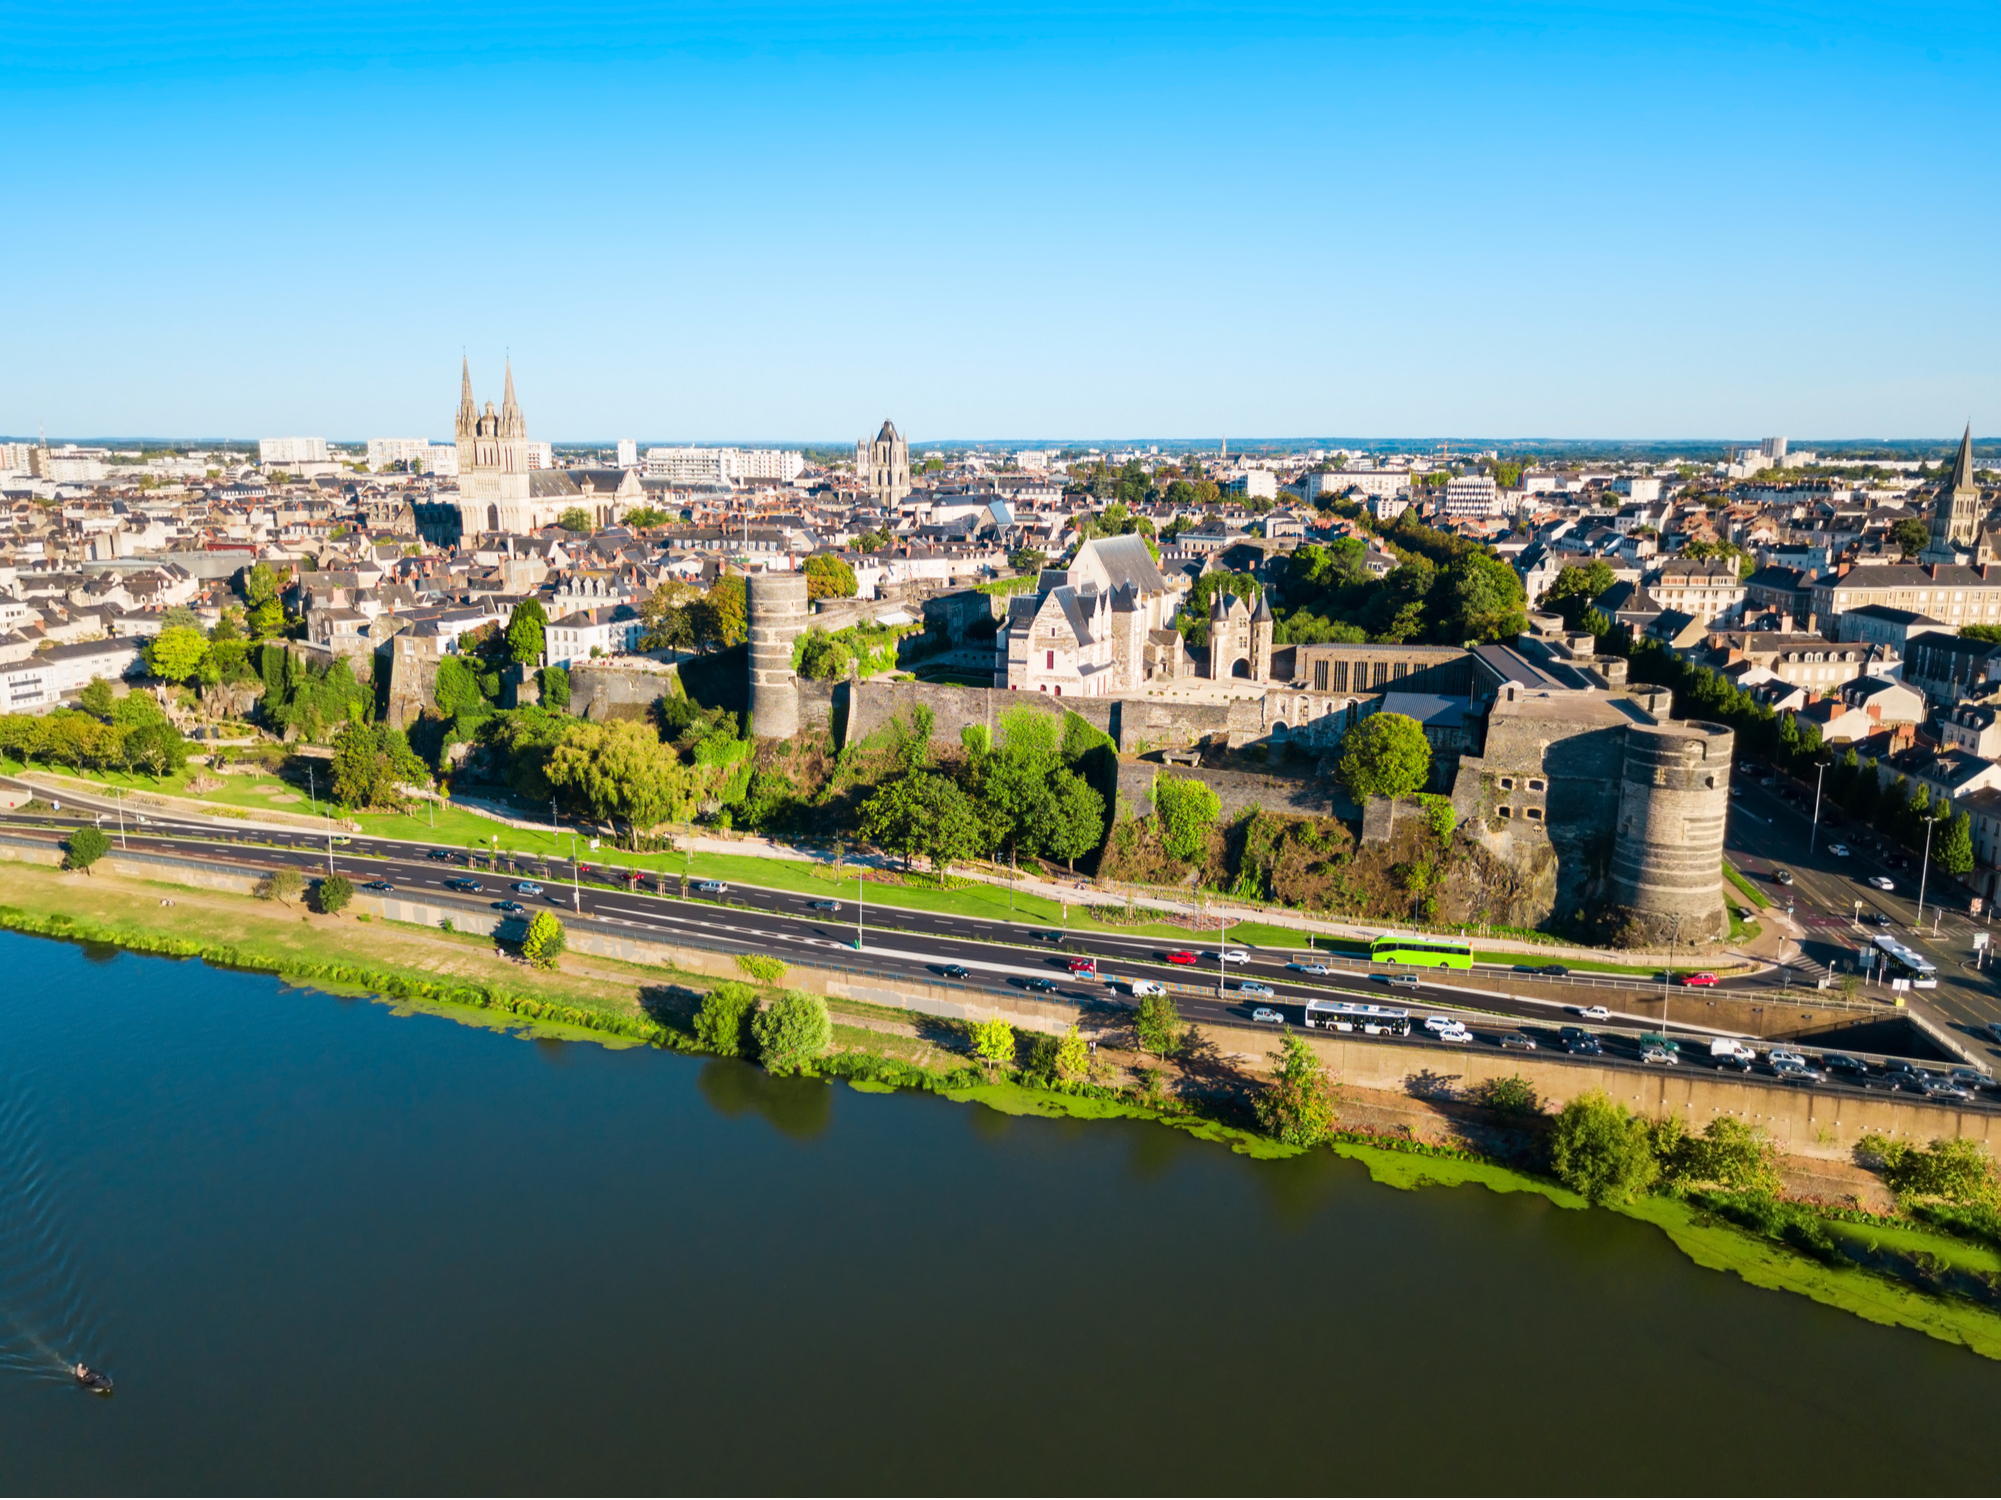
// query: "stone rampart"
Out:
[1238,791]
[622,690]
[777,604]
[413,680]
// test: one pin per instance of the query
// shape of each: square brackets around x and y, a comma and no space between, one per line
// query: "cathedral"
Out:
[499,492]
[883,467]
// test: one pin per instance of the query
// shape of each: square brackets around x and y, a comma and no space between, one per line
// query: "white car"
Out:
[1455,1034]
[1310,968]
[1595,1013]
[1883,882]
[1439,1023]
[1232,956]
[1252,987]
[1839,851]
[1266,1013]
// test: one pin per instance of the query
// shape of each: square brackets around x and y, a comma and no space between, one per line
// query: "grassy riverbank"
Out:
[1898,1273]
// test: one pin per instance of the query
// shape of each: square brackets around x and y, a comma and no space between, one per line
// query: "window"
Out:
[1507,783]
[1535,785]
[1534,814]
[1507,812]
[1050,665]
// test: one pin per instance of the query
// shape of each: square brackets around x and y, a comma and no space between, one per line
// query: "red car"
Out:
[1182,958]
[1698,979]
[1083,966]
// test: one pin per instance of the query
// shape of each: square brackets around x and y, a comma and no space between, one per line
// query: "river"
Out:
[323,1247]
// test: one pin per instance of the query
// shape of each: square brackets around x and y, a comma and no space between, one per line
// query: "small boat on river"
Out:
[95,1381]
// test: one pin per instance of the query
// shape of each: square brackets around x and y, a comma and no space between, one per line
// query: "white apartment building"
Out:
[15,458]
[1255,482]
[382,452]
[41,681]
[612,630]
[628,453]
[1473,497]
[443,459]
[723,465]
[1371,482]
[285,451]
[1033,458]
[541,455]
[1638,488]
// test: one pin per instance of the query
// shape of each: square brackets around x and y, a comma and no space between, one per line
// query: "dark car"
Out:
[508,906]
[1554,971]
[1042,985]
[1783,877]
[378,885]
[956,971]
[1580,1043]
[462,884]
[438,854]
[823,906]
[1848,1069]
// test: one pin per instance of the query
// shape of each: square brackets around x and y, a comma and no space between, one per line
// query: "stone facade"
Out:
[778,613]
[883,467]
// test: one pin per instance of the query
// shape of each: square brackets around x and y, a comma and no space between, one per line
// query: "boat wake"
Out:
[47,1323]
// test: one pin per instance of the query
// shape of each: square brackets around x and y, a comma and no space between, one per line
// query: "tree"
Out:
[993,1043]
[333,893]
[950,828]
[456,690]
[640,517]
[1073,1057]
[1297,1106]
[281,885]
[264,611]
[1386,755]
[525,642]
[1079,822]
[827,577]
[792,1031]
[620,771]
[576,518]
[1157,1026]
[723,1023]
[1599,1150]
[723,612]
[176,653]
[1575,587]
[156,747]
[84,848]
[544,941]
[1953,851]
[1027,559]
[555,687]
[371,763]
[1911,535]
[1187,810]
[97,697]
[891,819]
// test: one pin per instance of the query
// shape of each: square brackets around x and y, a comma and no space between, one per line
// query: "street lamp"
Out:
[1813,833]
[1924,866]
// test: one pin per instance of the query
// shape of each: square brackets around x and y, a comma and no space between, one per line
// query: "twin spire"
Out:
[512,423]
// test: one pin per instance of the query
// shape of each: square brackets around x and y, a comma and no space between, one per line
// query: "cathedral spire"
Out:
[511,421]
[468,413]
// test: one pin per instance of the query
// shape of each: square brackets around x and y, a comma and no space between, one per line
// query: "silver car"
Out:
[1266,1013]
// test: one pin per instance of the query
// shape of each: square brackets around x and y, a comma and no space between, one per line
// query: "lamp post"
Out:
[858,901]
[1924,867]
[118,801]
[576,884]
[1813,833]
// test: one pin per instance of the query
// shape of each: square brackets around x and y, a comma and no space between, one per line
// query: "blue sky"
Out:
[767,222]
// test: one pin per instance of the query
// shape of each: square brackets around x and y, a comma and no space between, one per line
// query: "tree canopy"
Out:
[1386,755]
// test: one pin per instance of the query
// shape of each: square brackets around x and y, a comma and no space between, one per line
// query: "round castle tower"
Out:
[1667,850]
[778,609]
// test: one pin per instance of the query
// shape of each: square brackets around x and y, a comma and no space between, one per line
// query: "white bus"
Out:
[1899,962]
[1375,1020]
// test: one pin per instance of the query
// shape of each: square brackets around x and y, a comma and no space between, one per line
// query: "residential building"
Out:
[1707,591]
[287,452]
[1878,623]
[1472,497]
[1972,727]
[1948,593]
[1105,625]
[611,630]
[41,681]
[1949,669]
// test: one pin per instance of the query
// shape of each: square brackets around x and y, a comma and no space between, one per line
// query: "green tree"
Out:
[1386,755]
[1073,1057]
[97,697]
[556,687]
[1297,1106]
[456,690]
[892,819]
[950,830]
[1187,810]
[544,941]
[1911,535]
[792,1031]
[722,613]
[281,885]
[1953,850]
[723,1023]
[84,848]
[156,747]
[576,519]
[333,893]
[827,577]
[525,640]
[993,1043]
[1575,588]
[641,517]
[1079,822]
[1157,1026]
[1027,559]
[1599,1150]
[1728,1153]
[620,771]
[264,610]
[371,765]
[176,653]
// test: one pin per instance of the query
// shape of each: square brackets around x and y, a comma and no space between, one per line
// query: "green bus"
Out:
[1422,952]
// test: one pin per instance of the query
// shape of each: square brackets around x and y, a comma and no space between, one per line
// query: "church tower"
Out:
[1956,514]
[493,461]
[883,466]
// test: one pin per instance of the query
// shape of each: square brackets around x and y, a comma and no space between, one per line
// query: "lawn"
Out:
[1751,893]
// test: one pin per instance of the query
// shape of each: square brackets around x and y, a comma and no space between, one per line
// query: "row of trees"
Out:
[110,733]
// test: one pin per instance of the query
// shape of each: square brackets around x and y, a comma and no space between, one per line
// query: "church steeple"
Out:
[468,413]
[1962,465]
[1956,513]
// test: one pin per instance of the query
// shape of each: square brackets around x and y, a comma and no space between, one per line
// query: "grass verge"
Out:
[1749,891]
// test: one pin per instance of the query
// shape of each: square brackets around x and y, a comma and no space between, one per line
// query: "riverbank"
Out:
[1896,1273]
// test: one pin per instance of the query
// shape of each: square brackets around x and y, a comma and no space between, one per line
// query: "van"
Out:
[1148,987]
[1729,1049]
[711,887]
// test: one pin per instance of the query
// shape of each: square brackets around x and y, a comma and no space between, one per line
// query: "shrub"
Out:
[545,941]
[792,1031]
[723,1023]
[1599,1150]
[993,1042]
[1729,1153]
[280,885]
[761,967]
[333,893]
[1954,1171]
[1513,1097]
[85,848]
[1187,810]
